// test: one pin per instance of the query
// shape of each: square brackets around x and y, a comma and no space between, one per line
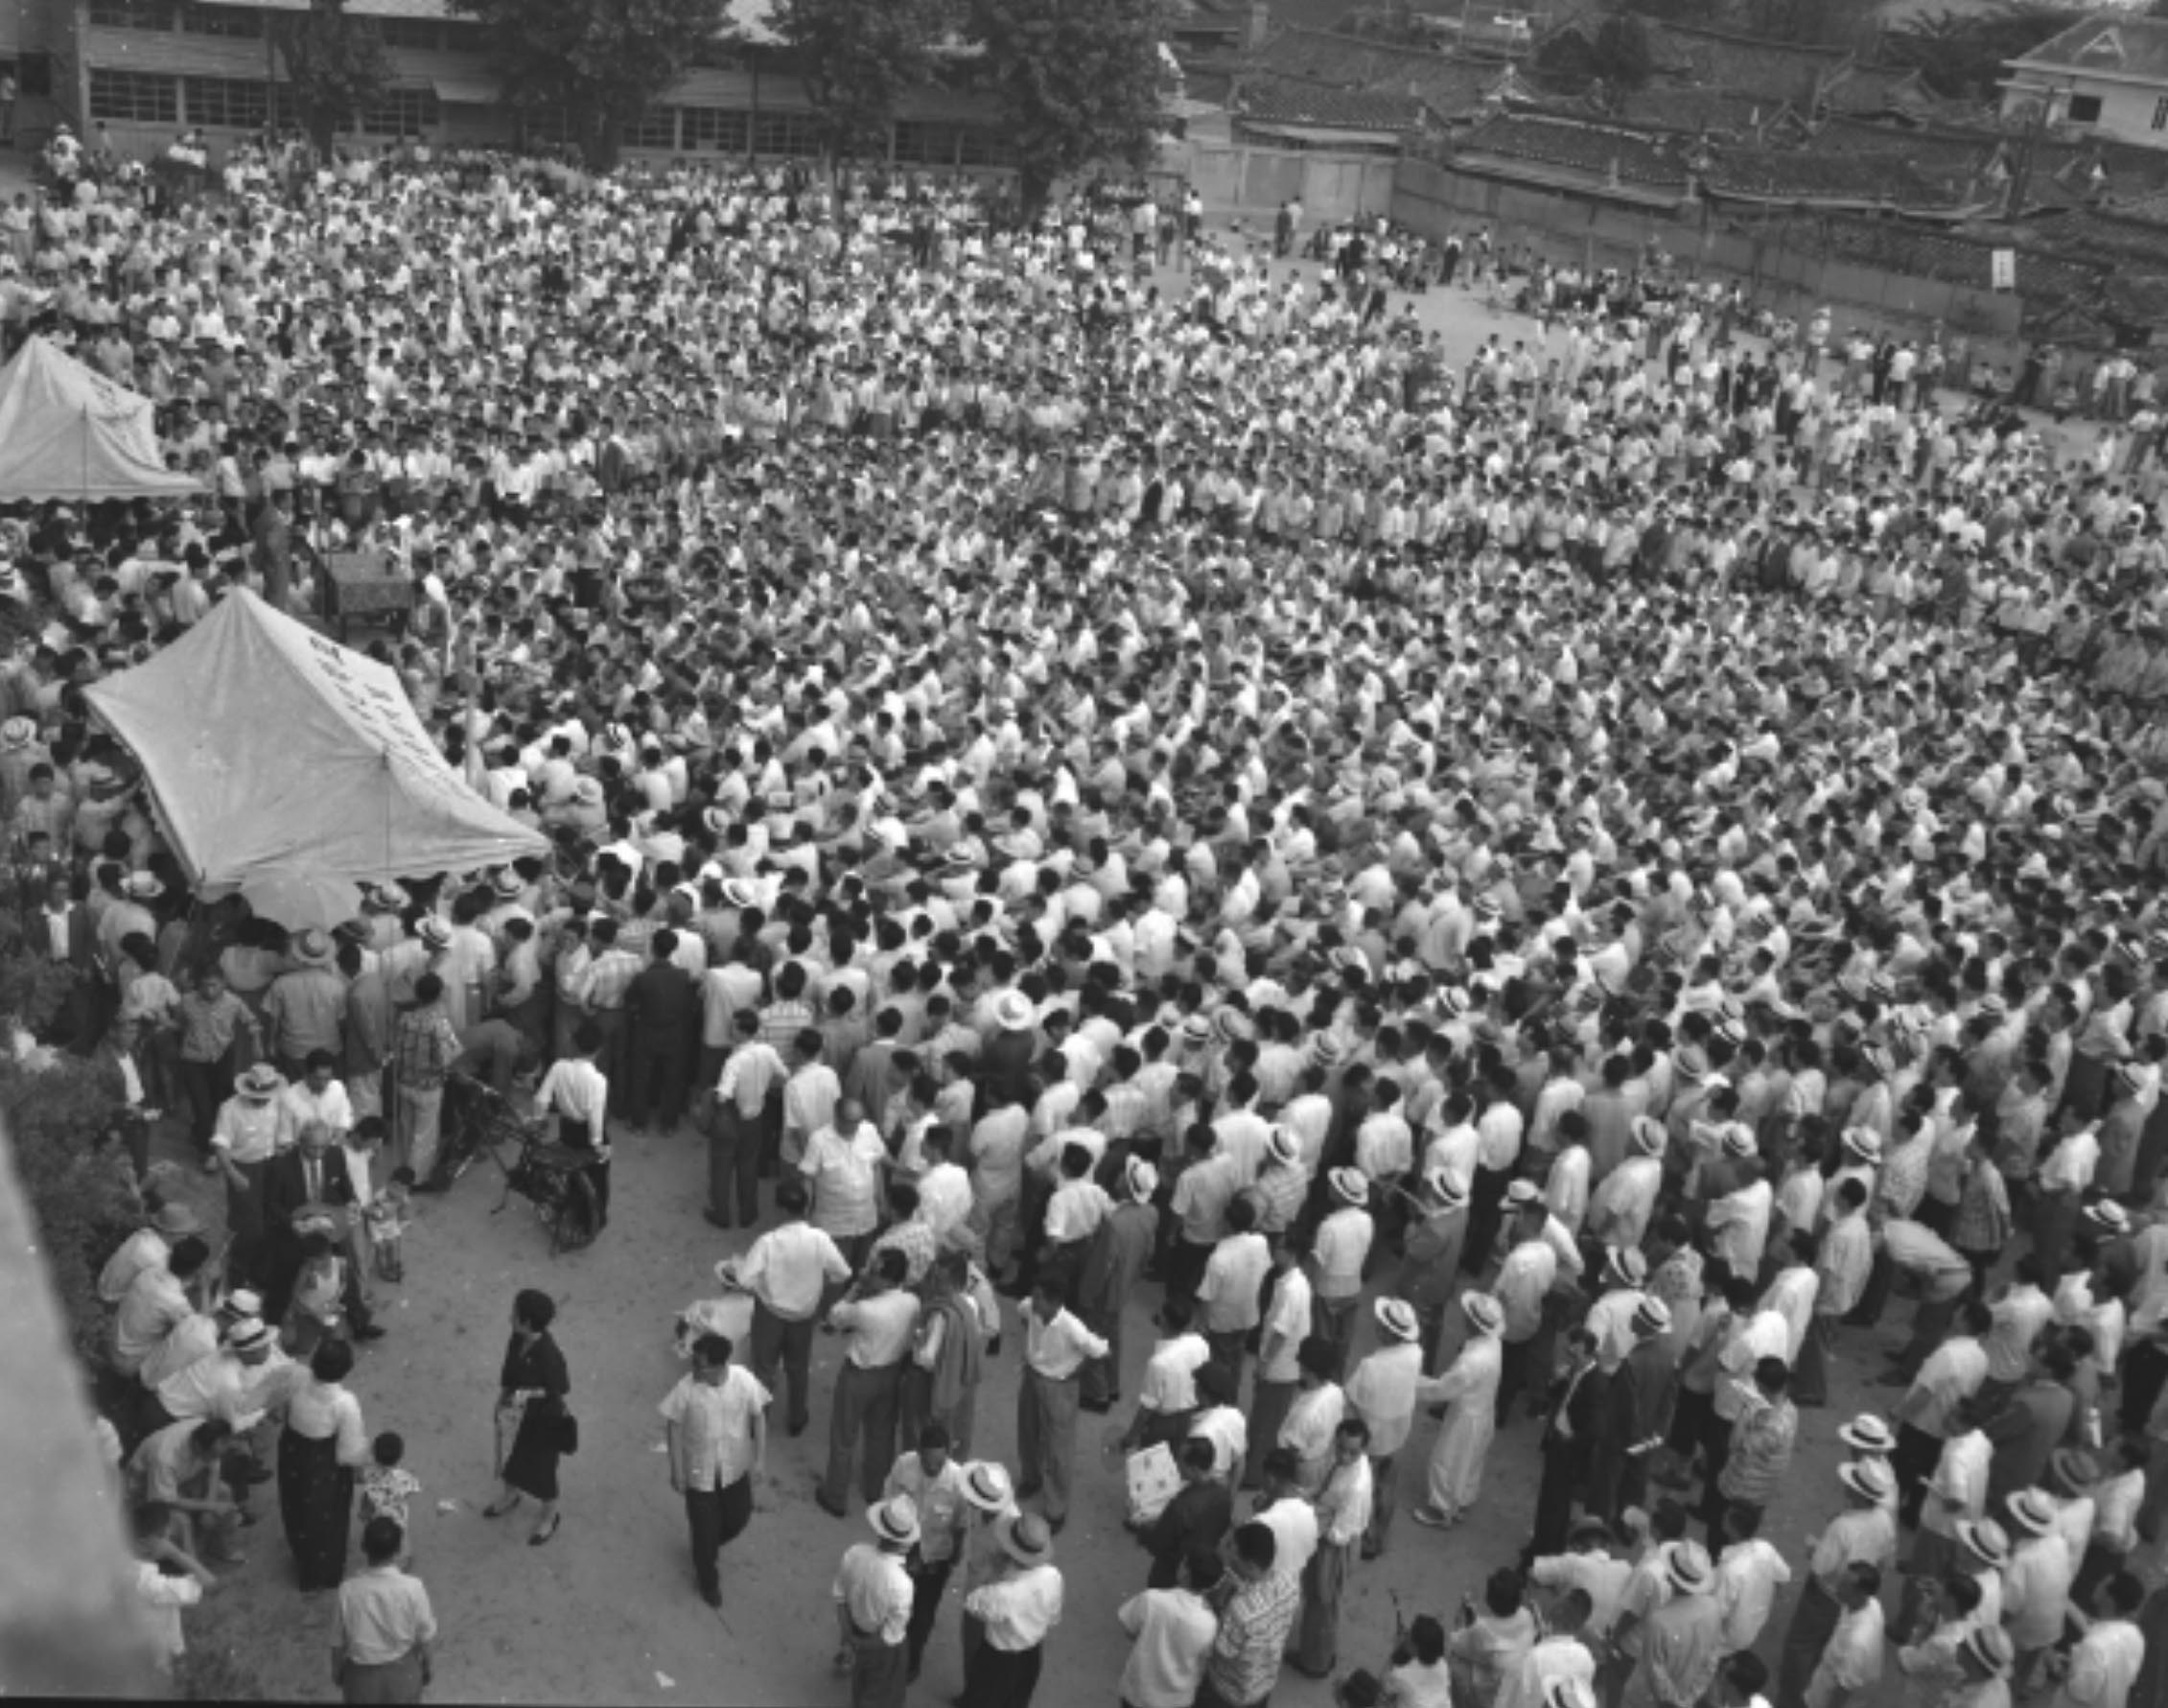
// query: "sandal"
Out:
[539,1537]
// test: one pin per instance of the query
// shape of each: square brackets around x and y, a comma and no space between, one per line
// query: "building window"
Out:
[414,32]
[922,144]
[402,112]
[222,20]
[2161,114]
[464,38]
[135,97]
[2084,109]
[785,133]
[655,128]
[984,146]
[722,129]
[233,102]
[133,14]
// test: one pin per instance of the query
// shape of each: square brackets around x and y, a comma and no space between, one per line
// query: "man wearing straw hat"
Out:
[1016,1611]
[872,1606]
[1863,1534]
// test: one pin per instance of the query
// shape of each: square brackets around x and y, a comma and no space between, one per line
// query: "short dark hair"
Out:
[1256,1544]
[712,1350]
[333,1360]
[381,1538]
[534,1307]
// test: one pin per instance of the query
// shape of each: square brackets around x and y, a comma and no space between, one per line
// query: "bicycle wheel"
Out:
[571,1214]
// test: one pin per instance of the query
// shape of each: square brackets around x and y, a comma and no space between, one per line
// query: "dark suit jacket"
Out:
[1193,1521]
[286,1190]
[2029,1428]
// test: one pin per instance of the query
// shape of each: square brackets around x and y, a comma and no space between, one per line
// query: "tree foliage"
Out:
[856,57]
[335,65]
[1961,55]
[1622,54]
[1079,83]
[600,62]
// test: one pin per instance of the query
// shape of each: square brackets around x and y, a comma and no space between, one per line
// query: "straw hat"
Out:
[2034,1509]
[1397,1318]
[1986,1541]
[433,931]
[261,1083]
[1870,1479]
[1484,1314]
[896,1520]
[1143,1179]
[1024,1539]
[1868,1434]
[1687,1566]
[1648,1136]
[987,1486]
[311,948]
[176,1221]
[1992,1649]
[1013,1010]
[1350,1185]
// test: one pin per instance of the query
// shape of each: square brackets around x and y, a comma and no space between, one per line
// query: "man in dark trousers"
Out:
[310,1174]
[1568,1443]
[1193,1521]
[662,1015]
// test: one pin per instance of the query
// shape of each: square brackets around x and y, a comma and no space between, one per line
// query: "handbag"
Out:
[568,1431]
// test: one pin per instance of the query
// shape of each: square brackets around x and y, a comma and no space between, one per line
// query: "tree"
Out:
[1078,81]
[335,64]
[1622,54]
[1961,56]
[601,63]
[855,58]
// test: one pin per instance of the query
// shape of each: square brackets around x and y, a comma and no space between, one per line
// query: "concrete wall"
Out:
[1787,277]
[1243,178]
[2129,112]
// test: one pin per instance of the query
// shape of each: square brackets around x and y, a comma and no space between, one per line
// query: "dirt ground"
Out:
[607,1612]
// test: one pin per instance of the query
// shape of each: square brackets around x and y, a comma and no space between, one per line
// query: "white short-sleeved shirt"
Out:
[716,1420]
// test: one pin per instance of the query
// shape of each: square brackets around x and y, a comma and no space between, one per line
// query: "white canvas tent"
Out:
[270,749]
[69,432]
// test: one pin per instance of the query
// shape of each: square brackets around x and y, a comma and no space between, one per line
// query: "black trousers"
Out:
[998,1678]
[928,1584]
[716,1518]
[1914,1462]
[1563,1472]
[779,1338]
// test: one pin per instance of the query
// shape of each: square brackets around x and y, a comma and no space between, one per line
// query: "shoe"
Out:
[1430,1517]
[797,1425]
[1054,1526]
[714,1598]
[541,1536]
[370,1333]
[714,1221]
[498,1508]
[821,1501]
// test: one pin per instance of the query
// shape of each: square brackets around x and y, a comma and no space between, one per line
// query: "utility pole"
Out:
[2021,178]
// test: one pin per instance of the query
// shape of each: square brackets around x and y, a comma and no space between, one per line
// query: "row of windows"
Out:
[428,34]
[238,104]
[243,104]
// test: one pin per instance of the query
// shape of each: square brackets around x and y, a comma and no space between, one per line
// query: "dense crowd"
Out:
[1554,891]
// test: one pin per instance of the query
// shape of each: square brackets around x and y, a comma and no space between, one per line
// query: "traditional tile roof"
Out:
[1453,87]
[1690,112]
[1787,175]
[1296,101]
[1595,151]
[2118,46]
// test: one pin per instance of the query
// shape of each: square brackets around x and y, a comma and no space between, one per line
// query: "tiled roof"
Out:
[1295,100]
[1452,87]
[1348,62]
[1597,150]
[1697,112]
[2118,45]
[1794,175]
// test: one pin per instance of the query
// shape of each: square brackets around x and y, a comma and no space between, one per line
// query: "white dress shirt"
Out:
[715,1421]
[1169,1374]
[1058,1349]
[1172,1632]
[788,1267]
[1019,1609]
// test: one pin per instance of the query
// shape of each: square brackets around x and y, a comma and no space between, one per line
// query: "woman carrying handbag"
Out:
[534,1427]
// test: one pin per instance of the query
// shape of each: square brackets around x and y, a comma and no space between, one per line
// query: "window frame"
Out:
[138,83]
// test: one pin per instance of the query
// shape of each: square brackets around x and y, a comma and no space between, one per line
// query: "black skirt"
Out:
[315,1503]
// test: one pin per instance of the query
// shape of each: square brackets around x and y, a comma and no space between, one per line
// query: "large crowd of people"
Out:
[1562,891]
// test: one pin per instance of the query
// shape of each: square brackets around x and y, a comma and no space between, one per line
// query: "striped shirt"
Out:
[608,977]
[1254,1632]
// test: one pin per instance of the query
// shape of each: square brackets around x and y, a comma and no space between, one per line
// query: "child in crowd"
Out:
[318,1306]
[388,1213]
[162,1592]
[385,1484]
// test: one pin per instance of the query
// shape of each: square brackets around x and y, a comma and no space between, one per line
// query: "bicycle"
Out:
[480,1121]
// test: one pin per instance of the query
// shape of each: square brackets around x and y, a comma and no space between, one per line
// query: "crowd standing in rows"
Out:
[1551,892]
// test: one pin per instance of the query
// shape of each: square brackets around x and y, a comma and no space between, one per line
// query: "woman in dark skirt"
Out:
[532,1415]
[318,1454]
